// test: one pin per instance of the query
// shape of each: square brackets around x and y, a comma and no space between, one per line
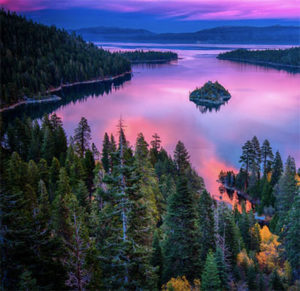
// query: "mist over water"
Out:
[265,102]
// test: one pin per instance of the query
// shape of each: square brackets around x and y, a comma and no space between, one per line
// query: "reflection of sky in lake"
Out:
[265,103]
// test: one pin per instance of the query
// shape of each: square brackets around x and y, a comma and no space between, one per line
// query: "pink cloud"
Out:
[186,10]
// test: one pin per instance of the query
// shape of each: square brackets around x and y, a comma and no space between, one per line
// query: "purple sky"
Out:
[183,10]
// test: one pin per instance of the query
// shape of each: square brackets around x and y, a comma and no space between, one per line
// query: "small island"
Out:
[210,93]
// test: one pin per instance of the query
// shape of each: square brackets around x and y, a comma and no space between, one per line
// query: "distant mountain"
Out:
[113,33]
[227,34]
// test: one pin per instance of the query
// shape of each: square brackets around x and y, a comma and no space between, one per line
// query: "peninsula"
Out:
[141,56]
[286,59]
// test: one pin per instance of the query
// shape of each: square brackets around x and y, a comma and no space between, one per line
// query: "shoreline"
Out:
[105,79]
[267,64]
[209,101]
[51,98]
[153,61]
[54,98]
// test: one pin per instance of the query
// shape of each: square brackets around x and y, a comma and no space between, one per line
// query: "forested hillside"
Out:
[140,56]
[133,217]
[270,57]
[35,58]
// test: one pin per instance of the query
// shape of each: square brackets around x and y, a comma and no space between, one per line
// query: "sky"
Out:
[158,15]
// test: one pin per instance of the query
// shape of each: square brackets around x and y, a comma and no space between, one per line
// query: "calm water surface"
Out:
[265,102]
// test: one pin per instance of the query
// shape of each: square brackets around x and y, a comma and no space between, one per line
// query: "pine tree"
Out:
[77,248]
[95,151]
[114,246]
[62,203]
[82,195]
[27,282]
[155,147]
[89,166]
[277,169]
[43,171]
[181,158]
[157,258]
[206,225]
[257,154]
[290,235]
[275,281]
[148,183]
[82,137]
[229,236]
[180,247]
[53,178]
[247,159]
[48,146]
[267,156]
[286,190]
[105,153]
[35,143]
[222,268]
[210,276]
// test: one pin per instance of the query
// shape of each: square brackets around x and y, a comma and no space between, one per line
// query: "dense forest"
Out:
[36,58]
[135,218]
[140,56]
[277,57]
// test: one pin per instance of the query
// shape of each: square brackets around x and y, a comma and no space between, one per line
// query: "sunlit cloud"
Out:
[184,10]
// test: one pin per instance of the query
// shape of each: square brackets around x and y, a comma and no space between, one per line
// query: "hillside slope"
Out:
[35,58]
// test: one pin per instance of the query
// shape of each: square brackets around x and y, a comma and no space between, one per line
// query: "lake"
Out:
[265,102]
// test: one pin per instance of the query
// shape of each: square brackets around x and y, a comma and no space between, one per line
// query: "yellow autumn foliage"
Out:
[243,259]
[297,178]
[177,284]
[268,257]
[181,284]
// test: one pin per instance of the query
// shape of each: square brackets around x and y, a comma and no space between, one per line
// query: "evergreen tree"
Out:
[95,151]
[210,276]
[157,259]
[257,156]
[247,159]
[62,203]
[35,143]
[48,146]
[267,156]
[181,158]
[286,190]
[155,147]
[206,225]
[82,194]
[229,236]
[180,248]
[275,281]
[277,169]
[27,282]
[105,153]
[89,166]
[82,137]
[148,183]
[290,236]
[77,248]
[115,245]
[222,268]
[53,178]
